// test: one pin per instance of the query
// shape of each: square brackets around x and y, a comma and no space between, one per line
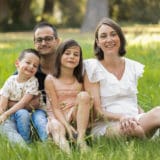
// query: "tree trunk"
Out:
[95,10]
[25,15]
[48,7]
[4,11]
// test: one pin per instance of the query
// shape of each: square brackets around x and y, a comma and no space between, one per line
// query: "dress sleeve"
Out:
[139,69]
[136,70]
[32,86]
[93,70]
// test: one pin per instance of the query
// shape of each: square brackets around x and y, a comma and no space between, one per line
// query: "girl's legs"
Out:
[82,117]
[57,131]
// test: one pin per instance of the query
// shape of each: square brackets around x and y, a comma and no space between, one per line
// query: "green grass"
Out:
[143,47]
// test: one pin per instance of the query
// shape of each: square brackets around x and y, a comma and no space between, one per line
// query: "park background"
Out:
[140,21]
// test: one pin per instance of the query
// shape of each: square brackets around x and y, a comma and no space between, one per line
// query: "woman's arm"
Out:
[52,97]
[94,90]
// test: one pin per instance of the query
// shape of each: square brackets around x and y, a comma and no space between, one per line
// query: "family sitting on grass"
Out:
[56,89]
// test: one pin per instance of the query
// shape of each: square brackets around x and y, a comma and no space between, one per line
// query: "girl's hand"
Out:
[71,132]
[74,133]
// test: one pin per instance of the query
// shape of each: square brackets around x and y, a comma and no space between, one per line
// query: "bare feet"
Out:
[84,148]
[65,147]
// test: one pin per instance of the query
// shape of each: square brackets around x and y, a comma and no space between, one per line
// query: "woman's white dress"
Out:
[117,96]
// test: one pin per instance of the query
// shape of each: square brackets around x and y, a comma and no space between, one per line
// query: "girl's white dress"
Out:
[117,96]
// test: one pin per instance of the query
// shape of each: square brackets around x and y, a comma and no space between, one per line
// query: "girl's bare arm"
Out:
[52,97]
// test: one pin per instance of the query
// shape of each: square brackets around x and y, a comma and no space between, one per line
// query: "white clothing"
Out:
[117,96]
[14,90]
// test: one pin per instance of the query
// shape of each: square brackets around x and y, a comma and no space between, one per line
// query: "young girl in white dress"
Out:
[67,100]
[112,80]
[22,87]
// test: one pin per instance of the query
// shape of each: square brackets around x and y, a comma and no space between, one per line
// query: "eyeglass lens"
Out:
[46,39]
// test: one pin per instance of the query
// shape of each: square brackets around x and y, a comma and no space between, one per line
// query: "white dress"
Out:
[117,96]
[14,90]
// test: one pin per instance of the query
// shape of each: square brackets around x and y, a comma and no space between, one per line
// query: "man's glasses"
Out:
[47,39]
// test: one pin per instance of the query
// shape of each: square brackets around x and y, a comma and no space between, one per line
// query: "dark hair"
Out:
[26,51]
[106,21]
[60,51]
[46,24]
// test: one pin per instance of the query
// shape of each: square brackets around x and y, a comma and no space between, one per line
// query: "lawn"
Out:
[143,45]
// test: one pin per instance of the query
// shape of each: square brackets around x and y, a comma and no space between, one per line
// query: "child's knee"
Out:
[84,97]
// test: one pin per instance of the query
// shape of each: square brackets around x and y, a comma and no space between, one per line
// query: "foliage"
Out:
[72,12]
[22,15]
[19,16]
[144,11]
[143,46]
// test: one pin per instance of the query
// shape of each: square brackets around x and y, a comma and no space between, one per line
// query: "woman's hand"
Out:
[128,124]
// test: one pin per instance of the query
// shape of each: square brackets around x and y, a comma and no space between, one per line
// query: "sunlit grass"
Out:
[4,45]
[143,39]
[102,149]
[139,28]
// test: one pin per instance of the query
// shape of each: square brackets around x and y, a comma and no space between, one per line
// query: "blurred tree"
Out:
[148,11]
[48,7]
[47,12]
[19,15]
[4,11]
[63,13]
[24,13]
[72,12]
[144,11]
[95,10]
